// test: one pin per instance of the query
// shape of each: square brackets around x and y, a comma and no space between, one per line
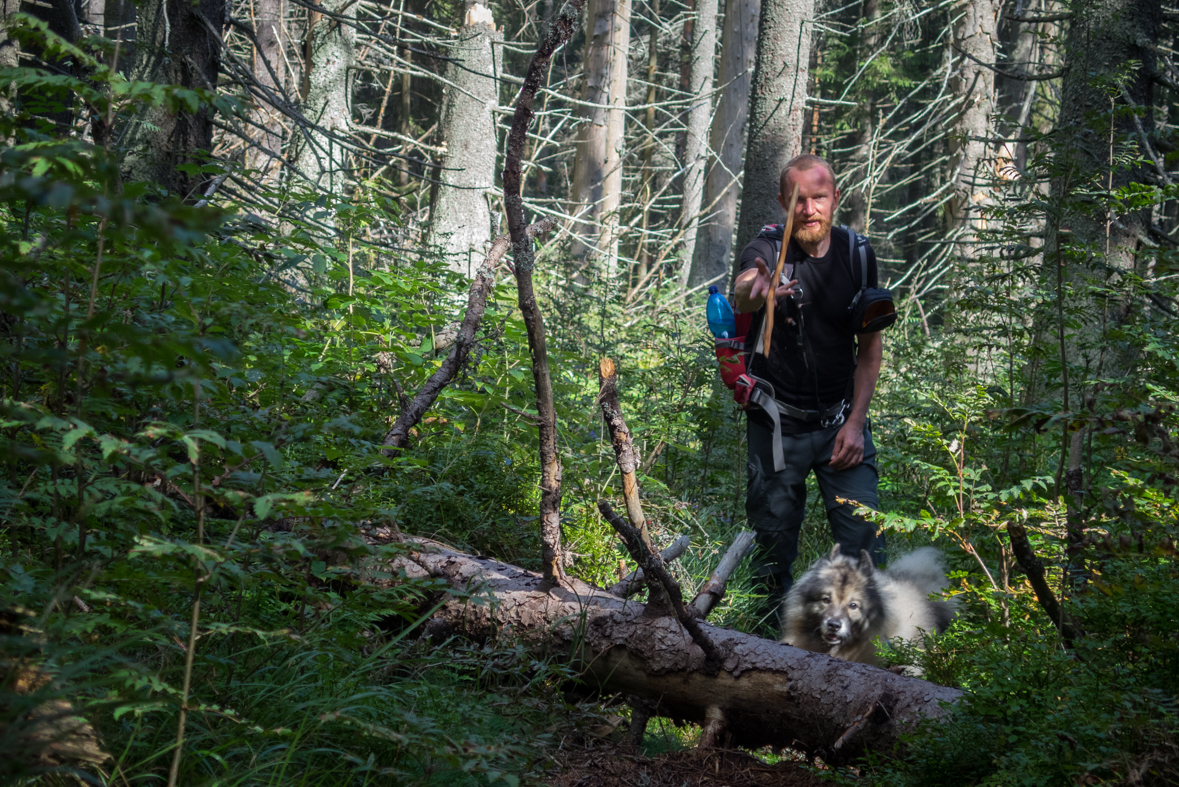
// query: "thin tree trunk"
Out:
[406,109]
[9,53]
[702,65]
[855,192]
[646,189]
[777,104]
[460,216]
[722,187]
[270,70]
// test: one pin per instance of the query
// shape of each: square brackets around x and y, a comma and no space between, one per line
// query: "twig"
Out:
[632,582]
[714,589]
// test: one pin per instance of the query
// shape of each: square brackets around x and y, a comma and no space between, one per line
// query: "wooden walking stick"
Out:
[768,331]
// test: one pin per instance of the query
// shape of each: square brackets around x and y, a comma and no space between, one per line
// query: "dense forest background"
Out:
[239,243]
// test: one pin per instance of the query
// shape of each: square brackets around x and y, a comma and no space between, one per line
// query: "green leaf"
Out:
[272,454]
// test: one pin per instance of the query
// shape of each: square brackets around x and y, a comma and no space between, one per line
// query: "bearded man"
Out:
[814,387]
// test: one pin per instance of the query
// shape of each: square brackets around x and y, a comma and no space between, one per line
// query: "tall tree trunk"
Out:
[177,43]
[596,190]
[643,254]
[460,217]
[330,49]
[777,104]
[714,239]
[855,190]
[270,71]
[973,83]
[702,65]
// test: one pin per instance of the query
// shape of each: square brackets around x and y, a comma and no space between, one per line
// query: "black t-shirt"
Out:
[818,377]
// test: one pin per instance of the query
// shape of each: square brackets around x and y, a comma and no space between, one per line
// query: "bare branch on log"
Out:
[714,589]
[633,582]
[1034,568]
[560,31]
[770,693]
[624,450]
[481,287]
[658,577]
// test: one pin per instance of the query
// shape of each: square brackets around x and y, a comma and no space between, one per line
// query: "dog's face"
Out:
[841,599]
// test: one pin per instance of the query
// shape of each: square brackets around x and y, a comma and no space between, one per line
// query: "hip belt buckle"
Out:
[837,419]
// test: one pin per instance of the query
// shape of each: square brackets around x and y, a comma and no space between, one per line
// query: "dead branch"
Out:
[658,577]
[481,287]
[1034,568]
[560,31]
[714,589]
[624,450]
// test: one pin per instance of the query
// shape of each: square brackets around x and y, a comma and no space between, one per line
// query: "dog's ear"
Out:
[834,553]
[865,565]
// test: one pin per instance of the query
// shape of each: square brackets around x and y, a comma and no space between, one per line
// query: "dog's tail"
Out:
[924,567]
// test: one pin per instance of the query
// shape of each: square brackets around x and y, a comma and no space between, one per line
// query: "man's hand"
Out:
[754,284]
[849,447]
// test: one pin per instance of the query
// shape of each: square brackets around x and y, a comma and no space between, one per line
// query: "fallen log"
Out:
[764,693]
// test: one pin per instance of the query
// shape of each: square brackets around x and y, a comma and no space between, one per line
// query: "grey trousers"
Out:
[775,503]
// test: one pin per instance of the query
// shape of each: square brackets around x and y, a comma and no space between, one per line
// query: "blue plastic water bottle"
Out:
[721,321]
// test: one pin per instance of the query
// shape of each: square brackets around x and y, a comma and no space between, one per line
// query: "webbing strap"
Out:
[832,416]
[767,403]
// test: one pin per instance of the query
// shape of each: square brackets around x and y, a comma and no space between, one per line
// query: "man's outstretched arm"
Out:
[753,284]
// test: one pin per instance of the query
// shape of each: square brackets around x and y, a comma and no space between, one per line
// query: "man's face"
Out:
[817,200]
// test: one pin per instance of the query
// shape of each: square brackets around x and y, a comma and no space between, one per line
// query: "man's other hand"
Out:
[754,284]
[849,447]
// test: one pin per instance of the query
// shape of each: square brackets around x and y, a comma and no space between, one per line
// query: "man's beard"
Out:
[815,235]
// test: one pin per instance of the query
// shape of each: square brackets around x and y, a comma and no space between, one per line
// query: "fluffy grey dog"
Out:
[841,604]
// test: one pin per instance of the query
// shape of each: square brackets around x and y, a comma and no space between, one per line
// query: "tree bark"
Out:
[777,104]
[714,238]
[596,190]
[317,151]
[973,82]
[768,693]
[270,70]
[177,43]
[702,65]
[460,217]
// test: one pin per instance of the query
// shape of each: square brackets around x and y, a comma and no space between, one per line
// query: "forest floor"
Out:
[599,764]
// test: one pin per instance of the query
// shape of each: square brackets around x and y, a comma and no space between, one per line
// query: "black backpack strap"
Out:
[852,239]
